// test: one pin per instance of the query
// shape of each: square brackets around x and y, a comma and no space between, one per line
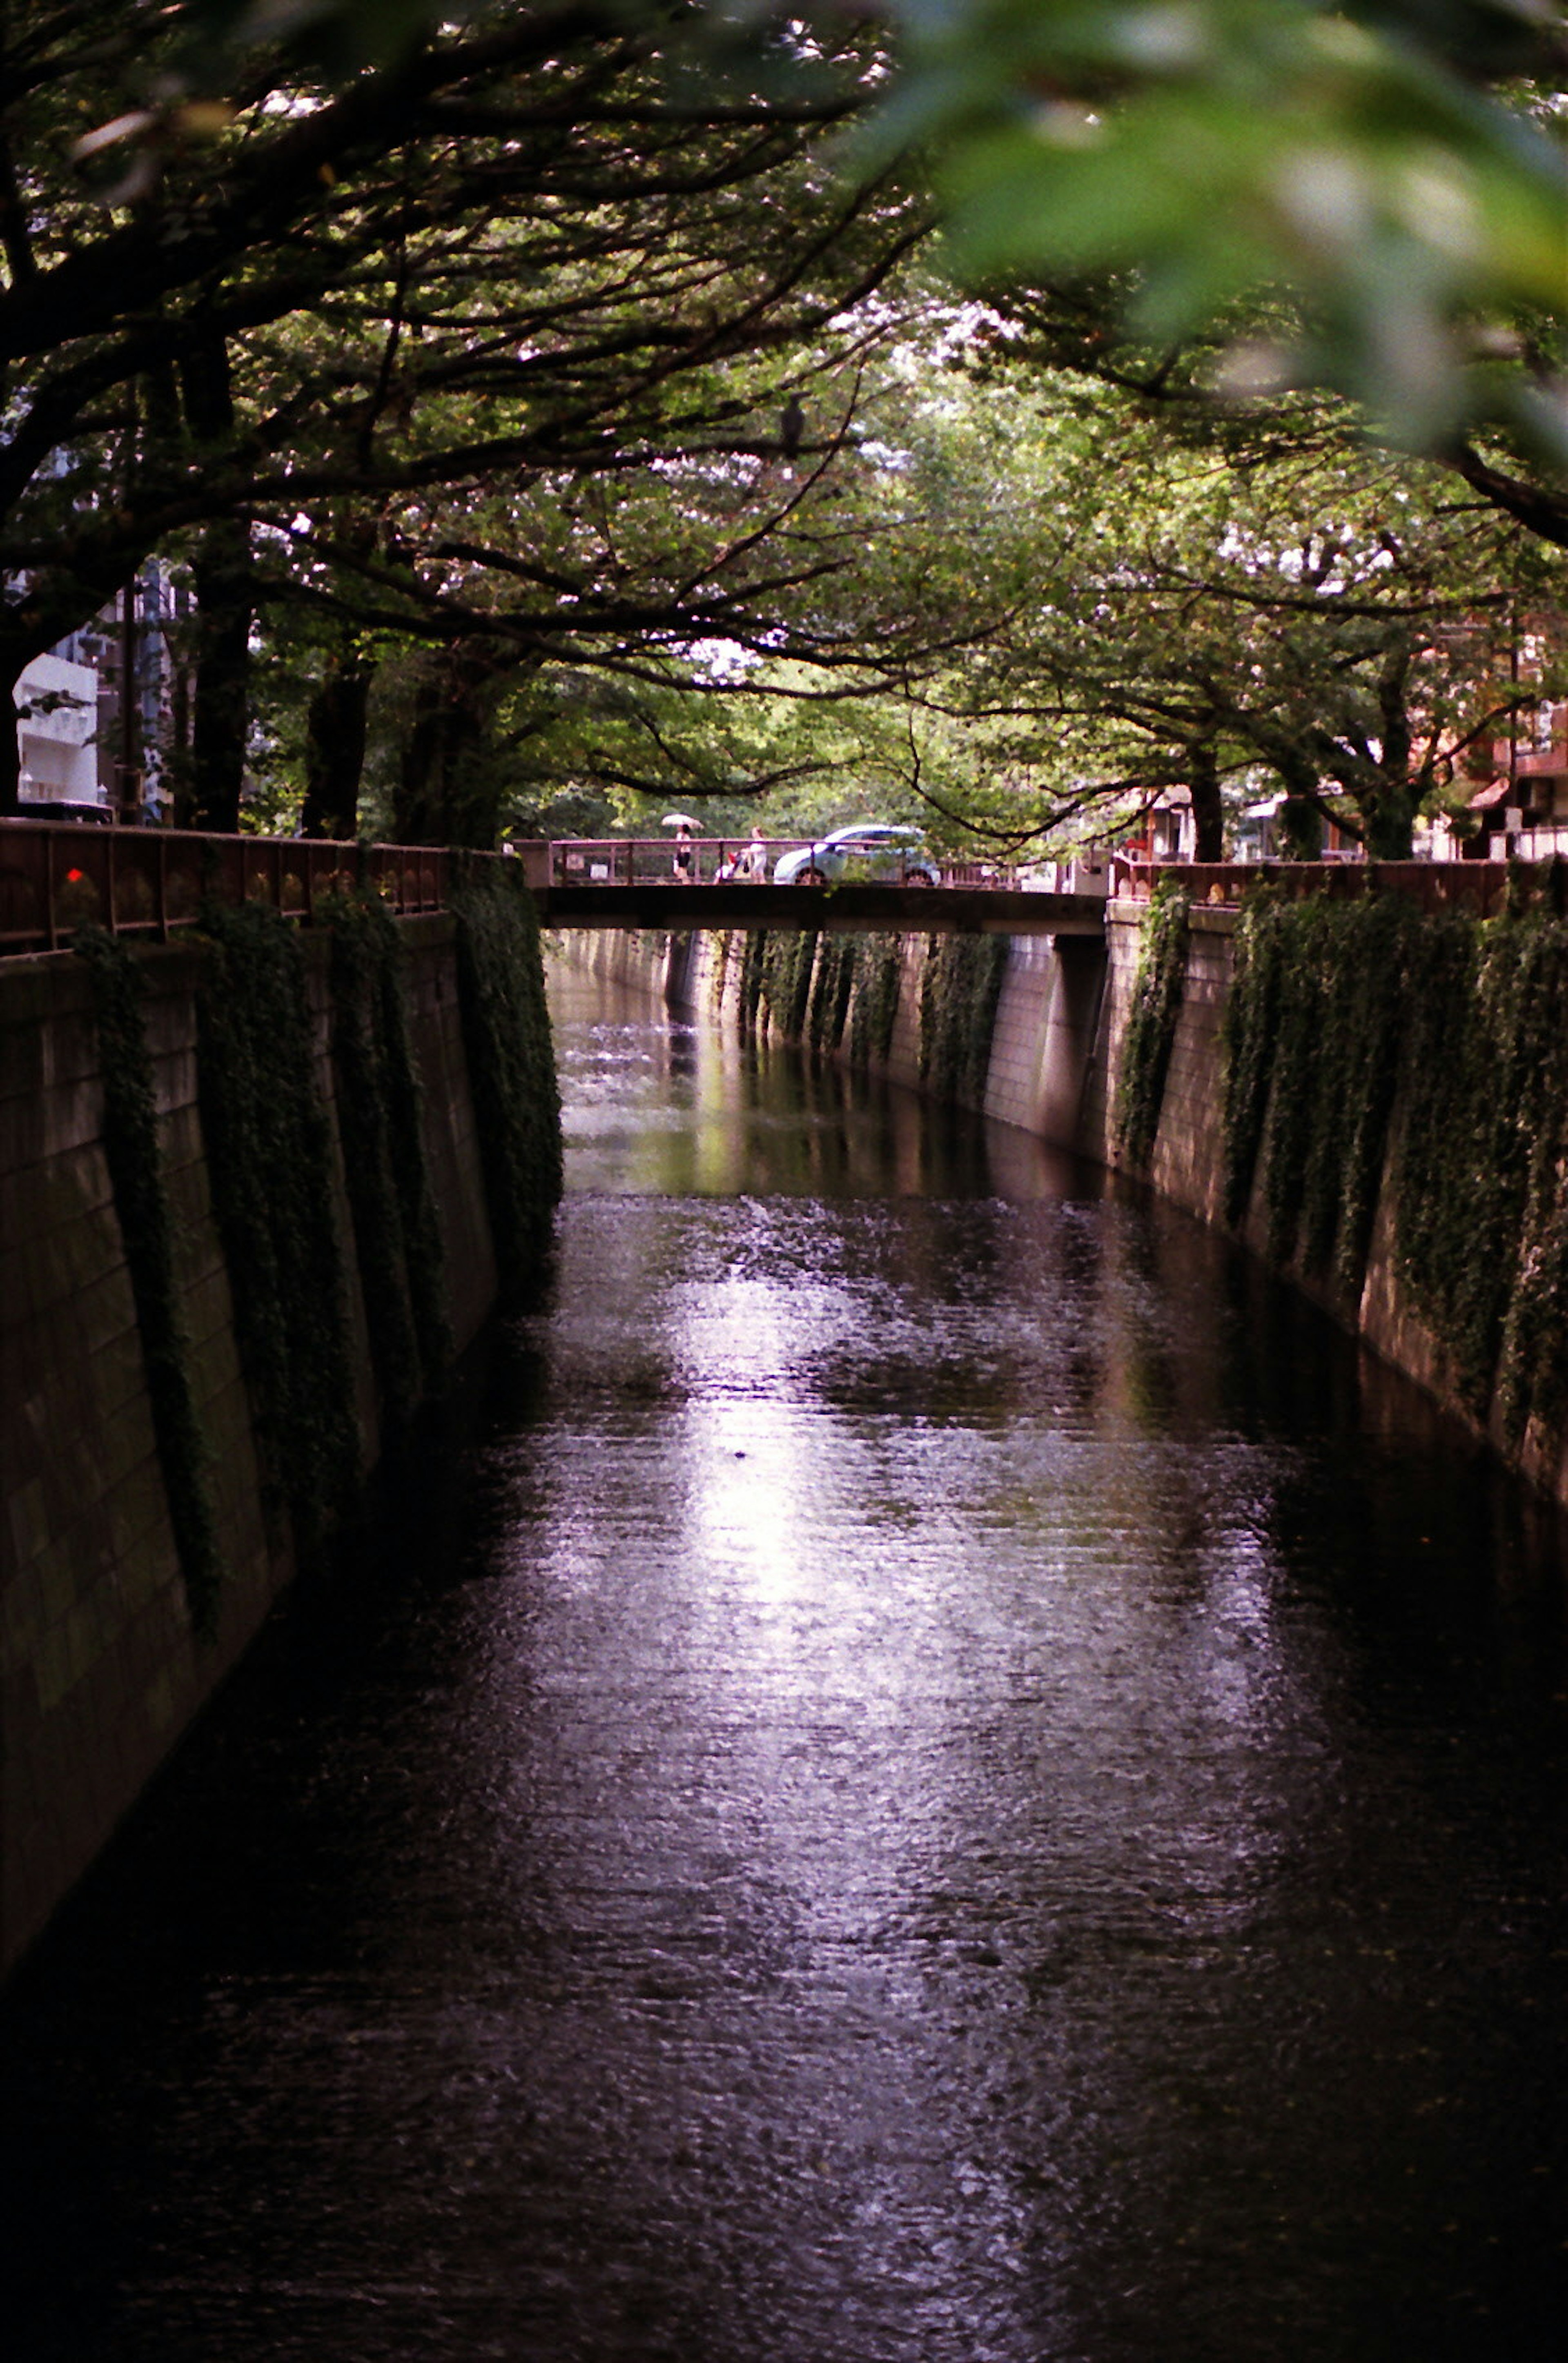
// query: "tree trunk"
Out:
[220,704]
[225,603]
[334,746]
[1390,810]
[448,791]
[1208,813]
[1389,817]
[1301,820]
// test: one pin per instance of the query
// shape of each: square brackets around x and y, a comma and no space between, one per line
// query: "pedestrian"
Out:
[681,857]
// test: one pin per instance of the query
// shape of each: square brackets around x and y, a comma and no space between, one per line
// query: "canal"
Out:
[946,1776]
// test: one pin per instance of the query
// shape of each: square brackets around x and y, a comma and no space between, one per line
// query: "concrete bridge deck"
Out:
[853,905]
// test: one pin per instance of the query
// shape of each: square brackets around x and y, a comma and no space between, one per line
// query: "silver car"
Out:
[872,849]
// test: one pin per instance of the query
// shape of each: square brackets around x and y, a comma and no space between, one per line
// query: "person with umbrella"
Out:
[681,859]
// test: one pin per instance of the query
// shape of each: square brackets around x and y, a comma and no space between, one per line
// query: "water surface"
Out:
[954,1778]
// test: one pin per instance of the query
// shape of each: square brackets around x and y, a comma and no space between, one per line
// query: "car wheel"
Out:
[919,878]
[812,877]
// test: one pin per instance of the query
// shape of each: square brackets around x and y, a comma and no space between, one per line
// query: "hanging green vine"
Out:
[1248,1032]
[795,999]
[960,987]
[141,1205]
[1482,1157]
[398,1238]
[1151,1023]
[874,1010]
[831,989]
[722,947]
[270,1154]
[1362,1036]
[511,1065]
[776,982]
[753,965]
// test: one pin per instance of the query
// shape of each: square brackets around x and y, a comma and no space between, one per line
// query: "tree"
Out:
[1334,615]
[1108,614]
[276,336]
[1367,198]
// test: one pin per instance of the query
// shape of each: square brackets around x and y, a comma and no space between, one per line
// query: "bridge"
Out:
[56,876]
[729,882]
[853,905]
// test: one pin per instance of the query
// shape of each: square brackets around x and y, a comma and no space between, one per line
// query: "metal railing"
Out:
[1482,888]
[706,862]
[57,876]
[664,860]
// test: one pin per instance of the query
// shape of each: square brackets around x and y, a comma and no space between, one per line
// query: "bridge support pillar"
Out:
[1062,1110]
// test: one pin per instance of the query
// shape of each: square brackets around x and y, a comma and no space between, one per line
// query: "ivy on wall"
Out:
[141,1205]
[511,1064]
[960,986]
[775,980]
[1248,1032]
[831,987]
[270,1154]
[817,989]
[1152,1022]
[398,1238]
[720,956]
[878,981]
[1312,1039]
[1365,1035]
[804,986]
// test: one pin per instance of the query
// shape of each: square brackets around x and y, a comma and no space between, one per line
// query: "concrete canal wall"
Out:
[1056,1057]
[101,1668]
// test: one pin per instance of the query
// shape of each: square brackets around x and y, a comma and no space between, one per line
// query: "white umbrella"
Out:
[678,820]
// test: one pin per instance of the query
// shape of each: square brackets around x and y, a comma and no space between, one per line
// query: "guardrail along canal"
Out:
[970,1783]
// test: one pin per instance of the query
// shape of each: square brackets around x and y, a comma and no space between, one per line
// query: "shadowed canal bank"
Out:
[955,1776]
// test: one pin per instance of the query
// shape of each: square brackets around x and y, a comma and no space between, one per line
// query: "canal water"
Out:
[952,1777]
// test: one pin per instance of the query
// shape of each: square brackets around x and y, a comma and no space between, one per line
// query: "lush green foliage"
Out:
[1152,1022]
[511,1066]
[141,1204]
[1386,164]
[367,349]
[1335,193]
[1363,1034]
[552,419]
[269,1153]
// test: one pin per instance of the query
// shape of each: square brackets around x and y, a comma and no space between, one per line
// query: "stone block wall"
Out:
[1188,1164]
[99,1669]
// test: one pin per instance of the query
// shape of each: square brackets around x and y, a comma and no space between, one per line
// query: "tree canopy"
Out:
[996,410]
[370,345]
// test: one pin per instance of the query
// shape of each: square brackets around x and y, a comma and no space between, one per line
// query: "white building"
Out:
[57,732]
[70,705]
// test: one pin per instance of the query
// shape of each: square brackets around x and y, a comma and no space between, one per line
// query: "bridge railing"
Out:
[703,862]
[1481,888]
[664,860]
[57,876]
